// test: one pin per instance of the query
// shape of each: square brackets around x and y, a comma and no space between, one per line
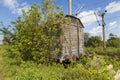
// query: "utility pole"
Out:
[70,7]
[102,14]
[70,13]
[103,29]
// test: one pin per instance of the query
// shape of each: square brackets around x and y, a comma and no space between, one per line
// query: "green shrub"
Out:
[114,43]
[100,51]
[37,33]
[94,41]
[87,68]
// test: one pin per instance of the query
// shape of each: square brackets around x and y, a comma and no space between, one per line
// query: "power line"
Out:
[77,11]
[87,15]
[105,19]
[95,4]
[83,6]
[79,6]
[97,18]
[93,13]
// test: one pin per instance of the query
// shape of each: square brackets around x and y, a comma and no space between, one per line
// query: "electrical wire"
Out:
[105,19]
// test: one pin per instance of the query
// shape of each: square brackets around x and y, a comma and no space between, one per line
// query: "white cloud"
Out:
[10,3]
[112,25]
[113,7]
[24,6]
[88,17]
[14,6]
[96,30]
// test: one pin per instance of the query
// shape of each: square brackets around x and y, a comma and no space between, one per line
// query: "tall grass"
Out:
[99,50]
[87,68]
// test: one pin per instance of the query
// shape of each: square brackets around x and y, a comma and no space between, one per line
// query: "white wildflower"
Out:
[110,67]
[117,76]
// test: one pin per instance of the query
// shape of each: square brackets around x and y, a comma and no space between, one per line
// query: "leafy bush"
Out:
[114,43]
[57,72]
[37,34]
[94,41]
[87,68]
[94,67]
[100,51]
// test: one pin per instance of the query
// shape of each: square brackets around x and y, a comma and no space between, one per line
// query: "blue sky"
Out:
[11,9]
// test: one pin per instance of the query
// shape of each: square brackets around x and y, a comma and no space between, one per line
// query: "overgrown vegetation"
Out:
[96,41]
[113,41]
[36,34]
[94,67]
[100,51]
[35,41]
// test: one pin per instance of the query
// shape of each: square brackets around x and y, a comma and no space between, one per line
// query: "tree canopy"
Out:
[113,41]
[37,33]
[94,41]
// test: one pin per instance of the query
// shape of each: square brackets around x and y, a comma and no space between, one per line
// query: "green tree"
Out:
[112,36]
[8,35]
[86,37]
[94,41]
[37,33]
[113,41]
